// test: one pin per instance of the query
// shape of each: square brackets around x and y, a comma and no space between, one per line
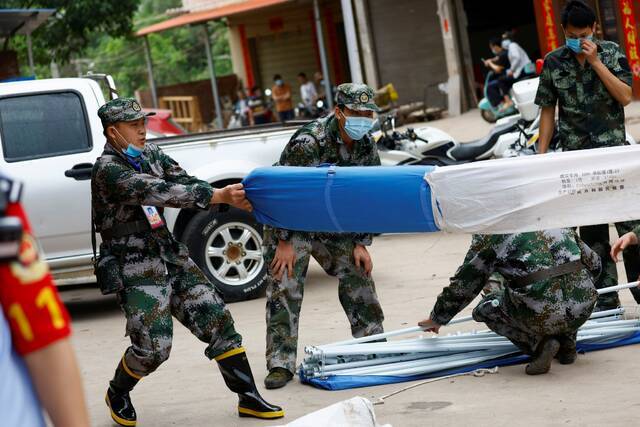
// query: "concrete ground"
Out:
[410,271]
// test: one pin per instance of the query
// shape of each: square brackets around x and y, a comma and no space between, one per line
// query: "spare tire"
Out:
[227,246]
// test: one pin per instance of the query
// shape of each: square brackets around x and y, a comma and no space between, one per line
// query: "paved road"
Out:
[410,270]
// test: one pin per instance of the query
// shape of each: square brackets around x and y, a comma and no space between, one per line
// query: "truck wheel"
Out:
[227,246]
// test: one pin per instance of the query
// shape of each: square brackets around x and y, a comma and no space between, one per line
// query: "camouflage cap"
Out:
[121,110]
[356,96]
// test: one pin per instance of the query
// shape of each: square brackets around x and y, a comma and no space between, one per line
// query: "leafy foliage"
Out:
[178,54]
[76,23]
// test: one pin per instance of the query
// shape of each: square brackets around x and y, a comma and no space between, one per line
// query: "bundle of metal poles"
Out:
[373,355]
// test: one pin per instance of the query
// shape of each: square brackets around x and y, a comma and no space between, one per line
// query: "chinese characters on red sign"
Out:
[549,25]
[630,36]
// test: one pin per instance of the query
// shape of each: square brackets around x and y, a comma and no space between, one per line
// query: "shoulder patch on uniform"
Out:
[303,138]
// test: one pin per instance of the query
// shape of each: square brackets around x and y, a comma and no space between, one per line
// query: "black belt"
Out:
[125,229]
[548,273]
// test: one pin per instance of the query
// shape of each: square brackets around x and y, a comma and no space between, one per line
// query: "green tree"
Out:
[75,24]
[178,54]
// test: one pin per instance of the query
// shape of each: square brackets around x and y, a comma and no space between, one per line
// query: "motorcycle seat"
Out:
[471,150]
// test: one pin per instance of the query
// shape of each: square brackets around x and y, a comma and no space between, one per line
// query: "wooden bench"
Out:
[185,111]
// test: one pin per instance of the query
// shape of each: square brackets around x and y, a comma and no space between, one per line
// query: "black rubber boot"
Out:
[567,353]
[545,353]
[118,399]
[236,372]
[277,378]
[608,301]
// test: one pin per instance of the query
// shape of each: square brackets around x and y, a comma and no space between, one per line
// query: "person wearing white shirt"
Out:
[308,91]
[520,66]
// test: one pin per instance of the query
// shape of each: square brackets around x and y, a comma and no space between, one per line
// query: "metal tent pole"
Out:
[212,74]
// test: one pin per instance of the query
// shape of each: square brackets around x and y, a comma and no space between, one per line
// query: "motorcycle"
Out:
[512,136]
[317,110]
[432,146]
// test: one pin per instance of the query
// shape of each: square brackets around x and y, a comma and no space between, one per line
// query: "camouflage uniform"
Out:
[317,143]
[589,117]
[159,278]
[526,314]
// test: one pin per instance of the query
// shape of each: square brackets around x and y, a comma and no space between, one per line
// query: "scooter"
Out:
[490,113]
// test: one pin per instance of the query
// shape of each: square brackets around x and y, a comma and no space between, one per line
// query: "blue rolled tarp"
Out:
[342,199]
[344,382]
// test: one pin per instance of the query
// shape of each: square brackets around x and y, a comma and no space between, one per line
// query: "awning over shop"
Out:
[208,15]
[22,21]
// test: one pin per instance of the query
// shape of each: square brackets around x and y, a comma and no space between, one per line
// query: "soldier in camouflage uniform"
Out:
[152,274]
[549,291]
[590,81]
[341,139]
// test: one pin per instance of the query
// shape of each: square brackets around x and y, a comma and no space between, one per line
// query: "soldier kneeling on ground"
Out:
[549,292]
[150,271]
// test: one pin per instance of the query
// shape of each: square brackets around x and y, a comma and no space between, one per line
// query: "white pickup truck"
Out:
[50,136]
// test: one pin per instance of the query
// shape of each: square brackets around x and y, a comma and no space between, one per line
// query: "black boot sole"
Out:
[546,356]
[117,419]
[567,360]
[246,412]
[273,386]
[279,384]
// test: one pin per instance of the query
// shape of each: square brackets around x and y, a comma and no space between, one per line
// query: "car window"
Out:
[43,125]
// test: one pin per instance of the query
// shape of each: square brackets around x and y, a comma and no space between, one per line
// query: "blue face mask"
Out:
[505,43]
[133,151]
[358,127]
[576,45]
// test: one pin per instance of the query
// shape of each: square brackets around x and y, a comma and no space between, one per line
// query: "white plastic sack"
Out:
[540,192]
[355,412]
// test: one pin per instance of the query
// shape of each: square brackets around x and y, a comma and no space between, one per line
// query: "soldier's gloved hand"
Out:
[233,195]
[363,259]
[621,244]
[429,325]
[284,259]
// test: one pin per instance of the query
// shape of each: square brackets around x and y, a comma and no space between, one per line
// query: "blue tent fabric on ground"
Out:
[344,382]
[342,199]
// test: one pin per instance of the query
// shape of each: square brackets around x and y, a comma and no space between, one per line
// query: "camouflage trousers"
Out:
[356,292]
[597,238]
[511,322]
[152,295]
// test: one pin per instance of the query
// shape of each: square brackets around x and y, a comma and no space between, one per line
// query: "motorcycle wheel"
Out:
[488,116]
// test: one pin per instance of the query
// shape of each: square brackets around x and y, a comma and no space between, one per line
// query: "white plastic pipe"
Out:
[395,333]
[438,367]
[452,348]
[427,363]
[618,287]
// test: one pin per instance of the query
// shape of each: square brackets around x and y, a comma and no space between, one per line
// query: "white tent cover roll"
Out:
[355,412]
[539,192]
